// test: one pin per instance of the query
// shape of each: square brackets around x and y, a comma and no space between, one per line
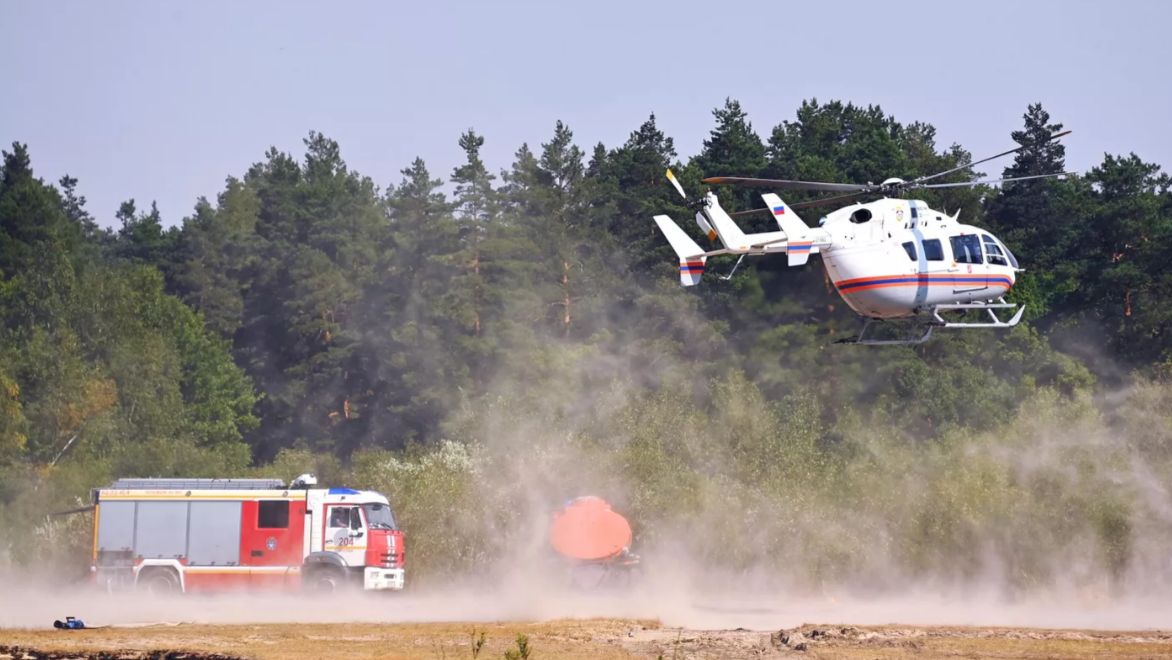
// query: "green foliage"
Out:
[104,373]
[522,651]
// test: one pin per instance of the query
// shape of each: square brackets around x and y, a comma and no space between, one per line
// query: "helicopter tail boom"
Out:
[730,234]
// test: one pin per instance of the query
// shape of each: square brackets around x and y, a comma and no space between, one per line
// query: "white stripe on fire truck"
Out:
[243,495]
[241,569]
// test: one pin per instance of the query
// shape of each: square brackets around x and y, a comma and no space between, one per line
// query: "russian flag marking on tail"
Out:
[799,237]
[691,270]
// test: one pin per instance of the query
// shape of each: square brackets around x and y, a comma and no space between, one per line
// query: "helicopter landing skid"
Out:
[988,307]
[919,328]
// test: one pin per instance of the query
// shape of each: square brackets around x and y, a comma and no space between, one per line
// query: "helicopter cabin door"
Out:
[968,264]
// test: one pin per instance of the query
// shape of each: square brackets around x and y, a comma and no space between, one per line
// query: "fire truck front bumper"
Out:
[382,579]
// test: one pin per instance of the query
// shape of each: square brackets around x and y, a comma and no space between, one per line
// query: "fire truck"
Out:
[214,535]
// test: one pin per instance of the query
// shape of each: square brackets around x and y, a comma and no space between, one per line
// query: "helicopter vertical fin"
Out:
[800,238]
[691,256]
[705,227]
[730,234]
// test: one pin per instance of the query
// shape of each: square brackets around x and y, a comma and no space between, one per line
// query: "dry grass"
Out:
[566,639]
[600,639]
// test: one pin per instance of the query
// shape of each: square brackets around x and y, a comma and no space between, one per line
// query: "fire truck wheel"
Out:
[326,579]
[158,581]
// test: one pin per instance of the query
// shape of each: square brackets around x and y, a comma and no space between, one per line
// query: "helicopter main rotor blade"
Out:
[805,205]
[782,183]
[671,177]
[922,179]
[830,200]
[991,181]
[741,214]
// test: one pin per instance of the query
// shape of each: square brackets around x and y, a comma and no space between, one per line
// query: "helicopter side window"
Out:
[966,249]
[910,248]
[933,251]
[993,252]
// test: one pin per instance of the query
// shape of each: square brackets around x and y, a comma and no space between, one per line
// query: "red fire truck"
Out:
[210,535]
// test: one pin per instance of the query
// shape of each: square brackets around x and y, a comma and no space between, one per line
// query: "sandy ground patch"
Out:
[603,639]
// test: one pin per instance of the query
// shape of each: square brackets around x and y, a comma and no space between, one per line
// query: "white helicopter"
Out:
[891,260]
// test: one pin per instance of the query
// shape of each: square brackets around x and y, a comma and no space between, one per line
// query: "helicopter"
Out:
[893,261]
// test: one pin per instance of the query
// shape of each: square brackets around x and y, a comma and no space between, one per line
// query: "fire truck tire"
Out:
[326,578]
[158,581]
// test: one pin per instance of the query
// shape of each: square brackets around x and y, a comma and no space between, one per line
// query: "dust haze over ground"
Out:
[27,606]
[1059,519]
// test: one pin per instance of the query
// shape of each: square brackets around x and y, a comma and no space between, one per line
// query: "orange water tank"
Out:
[588,530]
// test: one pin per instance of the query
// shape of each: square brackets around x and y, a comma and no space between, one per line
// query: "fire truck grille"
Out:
[389,558]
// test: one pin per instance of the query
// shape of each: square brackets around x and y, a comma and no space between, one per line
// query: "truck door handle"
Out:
[258,553]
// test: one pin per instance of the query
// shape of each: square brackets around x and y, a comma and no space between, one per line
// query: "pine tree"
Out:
[733,149]
[1041,155]
[32,224]
[1034,218]
[477,201]
[142,239]
[557,232]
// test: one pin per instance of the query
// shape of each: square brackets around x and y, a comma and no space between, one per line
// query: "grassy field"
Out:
[600,639]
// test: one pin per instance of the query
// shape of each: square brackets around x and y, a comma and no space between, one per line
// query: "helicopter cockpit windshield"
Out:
[996,253]
[1012,259]
[993,254]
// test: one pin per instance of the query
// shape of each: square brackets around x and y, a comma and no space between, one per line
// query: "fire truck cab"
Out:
[212,535]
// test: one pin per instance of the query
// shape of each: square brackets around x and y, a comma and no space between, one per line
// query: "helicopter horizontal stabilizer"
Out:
[692,258]
[801,239]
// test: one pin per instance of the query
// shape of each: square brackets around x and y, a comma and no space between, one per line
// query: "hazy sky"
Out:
[163,99]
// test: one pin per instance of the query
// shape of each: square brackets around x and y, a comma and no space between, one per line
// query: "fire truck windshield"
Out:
[379,516]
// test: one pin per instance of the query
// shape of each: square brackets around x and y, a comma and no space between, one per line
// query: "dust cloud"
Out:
[26,606]
[1059,519]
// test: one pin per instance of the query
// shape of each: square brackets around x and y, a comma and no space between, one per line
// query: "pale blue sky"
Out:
[163,99]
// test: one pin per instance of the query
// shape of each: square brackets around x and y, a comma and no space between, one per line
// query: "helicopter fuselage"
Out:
[894,258]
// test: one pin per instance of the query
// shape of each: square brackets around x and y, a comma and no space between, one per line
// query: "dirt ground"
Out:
[600,639]
[645,624]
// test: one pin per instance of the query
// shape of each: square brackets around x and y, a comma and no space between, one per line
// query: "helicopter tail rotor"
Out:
[695,205]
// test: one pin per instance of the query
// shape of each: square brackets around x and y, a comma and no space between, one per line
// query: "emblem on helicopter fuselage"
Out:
[899,214]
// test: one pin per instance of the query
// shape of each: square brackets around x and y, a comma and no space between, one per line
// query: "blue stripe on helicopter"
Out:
[864,283]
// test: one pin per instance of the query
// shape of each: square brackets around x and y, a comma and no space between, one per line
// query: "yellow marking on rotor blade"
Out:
[670,175]
[711,235]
